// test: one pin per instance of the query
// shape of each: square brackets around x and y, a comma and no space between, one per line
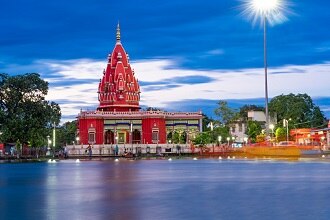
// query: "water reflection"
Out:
[162,189]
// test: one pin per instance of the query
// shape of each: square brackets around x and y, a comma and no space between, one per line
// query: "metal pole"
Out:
[266,81]
[54,138]
[132,136]
[287,131]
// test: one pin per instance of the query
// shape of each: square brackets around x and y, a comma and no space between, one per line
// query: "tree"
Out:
[253,130]
[243,111]
[299,108]
[280,134]
[25,115]
[222,131]
[206,121]
[225,113]
[67,133]
[153,109]
[202,139]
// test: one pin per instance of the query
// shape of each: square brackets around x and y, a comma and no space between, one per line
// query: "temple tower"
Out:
[118,90]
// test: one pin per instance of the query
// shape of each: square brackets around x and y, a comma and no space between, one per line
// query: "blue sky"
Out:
[187,55]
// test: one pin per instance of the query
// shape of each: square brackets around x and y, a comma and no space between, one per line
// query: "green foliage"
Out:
[260,138]
[222,131]
[25,115]
[179,137]
[280,134]
[66,133]
[153,109]
[206,121]
[253,130]
[225,114]
[299,108]
[243,111]
[202,139]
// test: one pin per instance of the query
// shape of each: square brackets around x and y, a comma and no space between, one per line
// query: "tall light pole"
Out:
[54,139]
[219,139]
[267,11]
[271,127]
[48,144]
[286,124]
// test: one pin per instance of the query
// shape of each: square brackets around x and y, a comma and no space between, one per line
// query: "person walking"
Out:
[116,150]
[89,149]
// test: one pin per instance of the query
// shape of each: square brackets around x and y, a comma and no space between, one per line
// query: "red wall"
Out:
[85,124]
[148,124]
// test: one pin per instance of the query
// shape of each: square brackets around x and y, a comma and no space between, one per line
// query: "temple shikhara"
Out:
[119,119]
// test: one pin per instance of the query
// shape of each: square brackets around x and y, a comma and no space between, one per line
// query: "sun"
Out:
[265,6]
[273,10]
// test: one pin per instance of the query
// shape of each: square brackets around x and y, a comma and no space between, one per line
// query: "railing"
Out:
[109,150]
[157,149]
[138,113]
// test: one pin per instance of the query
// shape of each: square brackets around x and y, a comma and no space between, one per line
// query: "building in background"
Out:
[119,119]
[238,129]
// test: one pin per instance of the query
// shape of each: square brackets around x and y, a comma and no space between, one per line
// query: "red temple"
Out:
[118,118]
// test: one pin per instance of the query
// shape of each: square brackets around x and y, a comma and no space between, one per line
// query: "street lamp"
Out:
[54,140]
[219,139]
[245,140]
[77,139]
[271,126]
[131,129]
[271,11]
[48,144]
[286,124]
[228,138]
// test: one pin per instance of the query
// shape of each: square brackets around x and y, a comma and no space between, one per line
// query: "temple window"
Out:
[91,137]
[155,135]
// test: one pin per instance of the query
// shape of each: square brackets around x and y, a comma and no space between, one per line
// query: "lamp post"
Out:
[228,138]
[245,140]
[233,140]
[267,11]
[219,139]
[271,126]
[286,124]
[54,140]
[48,144]
[131,129]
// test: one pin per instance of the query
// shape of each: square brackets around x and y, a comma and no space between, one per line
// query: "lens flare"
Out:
[265,6]
[274,11]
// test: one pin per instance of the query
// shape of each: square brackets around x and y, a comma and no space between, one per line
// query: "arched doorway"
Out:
[169,137]
[184,137]
[109,137]
[136,137]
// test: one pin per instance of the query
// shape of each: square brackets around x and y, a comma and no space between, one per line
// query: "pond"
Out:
[163,189]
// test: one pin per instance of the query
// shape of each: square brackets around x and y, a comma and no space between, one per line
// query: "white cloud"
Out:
[227,84]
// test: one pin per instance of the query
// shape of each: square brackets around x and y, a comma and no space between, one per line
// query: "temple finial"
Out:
[118,33]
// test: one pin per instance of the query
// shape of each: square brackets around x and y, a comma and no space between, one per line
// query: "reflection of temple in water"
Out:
[118,118]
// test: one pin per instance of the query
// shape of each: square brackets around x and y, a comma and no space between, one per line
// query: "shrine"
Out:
[119,119]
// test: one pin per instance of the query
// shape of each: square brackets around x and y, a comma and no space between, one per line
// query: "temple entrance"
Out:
[169,137]
[121,137]
[136,137]
[109,137]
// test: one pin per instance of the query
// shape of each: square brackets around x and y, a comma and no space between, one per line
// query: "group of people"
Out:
[90,152]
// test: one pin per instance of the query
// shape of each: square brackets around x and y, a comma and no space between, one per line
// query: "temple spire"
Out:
[118,33]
